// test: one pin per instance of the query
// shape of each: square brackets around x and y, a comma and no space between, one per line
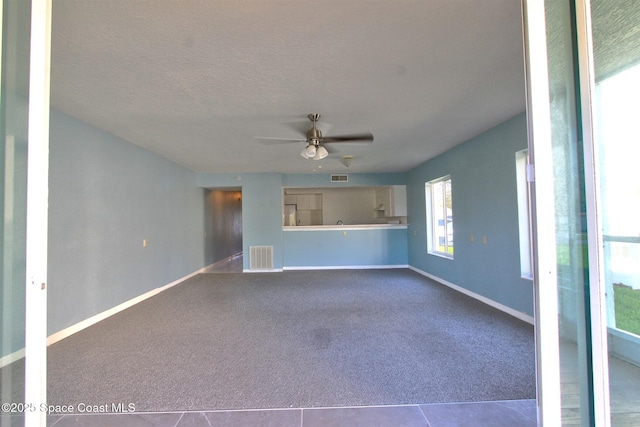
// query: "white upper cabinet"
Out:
[392,201]
[304,202]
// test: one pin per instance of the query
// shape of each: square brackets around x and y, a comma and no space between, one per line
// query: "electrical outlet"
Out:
[144,243]
[484,240]
[344,233]
[472,238]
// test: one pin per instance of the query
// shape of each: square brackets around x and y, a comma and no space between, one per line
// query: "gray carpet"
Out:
[297,339]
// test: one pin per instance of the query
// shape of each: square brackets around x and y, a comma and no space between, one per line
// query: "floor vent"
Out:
[261,257]
[340,178]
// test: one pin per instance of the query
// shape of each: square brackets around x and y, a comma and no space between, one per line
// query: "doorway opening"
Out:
[223,230]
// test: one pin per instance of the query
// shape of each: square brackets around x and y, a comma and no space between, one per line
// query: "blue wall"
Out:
[483,180]
[106,197]
[335,248]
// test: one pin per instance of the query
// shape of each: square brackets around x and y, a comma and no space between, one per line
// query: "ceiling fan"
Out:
[315,141]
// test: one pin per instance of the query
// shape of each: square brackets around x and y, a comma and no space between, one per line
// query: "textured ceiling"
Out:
[197,81]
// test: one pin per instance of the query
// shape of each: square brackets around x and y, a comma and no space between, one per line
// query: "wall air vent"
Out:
[261,257]
[340,178]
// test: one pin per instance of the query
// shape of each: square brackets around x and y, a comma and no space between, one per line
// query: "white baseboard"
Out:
[118,308]
[344,267]
[517,314]
[10,358]
[271,270]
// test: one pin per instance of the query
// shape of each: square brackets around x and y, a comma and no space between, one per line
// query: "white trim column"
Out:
[37,213]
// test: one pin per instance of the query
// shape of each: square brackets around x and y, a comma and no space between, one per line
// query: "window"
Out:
[618,153]
[524,225]
[439,217]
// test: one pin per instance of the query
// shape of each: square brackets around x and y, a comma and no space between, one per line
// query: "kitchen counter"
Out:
[346,227]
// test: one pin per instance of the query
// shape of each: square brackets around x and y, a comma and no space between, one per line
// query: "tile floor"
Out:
[512,413]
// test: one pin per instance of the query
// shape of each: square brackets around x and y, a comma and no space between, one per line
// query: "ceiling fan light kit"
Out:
[321,153]
[309,151]
[314,152]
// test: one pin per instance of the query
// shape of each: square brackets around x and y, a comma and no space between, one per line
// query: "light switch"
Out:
[484,240]
[144,243]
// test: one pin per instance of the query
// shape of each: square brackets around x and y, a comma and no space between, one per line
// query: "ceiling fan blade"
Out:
[359,137]
[271,140]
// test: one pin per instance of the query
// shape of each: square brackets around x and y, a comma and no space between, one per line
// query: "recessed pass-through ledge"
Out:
[344,227]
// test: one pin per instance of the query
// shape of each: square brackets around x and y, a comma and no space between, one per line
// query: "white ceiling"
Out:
[197,81]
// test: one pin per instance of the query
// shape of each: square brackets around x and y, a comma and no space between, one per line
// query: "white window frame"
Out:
[433,247]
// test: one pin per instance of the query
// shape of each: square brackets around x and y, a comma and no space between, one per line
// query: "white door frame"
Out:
[597,288]
[542,213]
[545,273]
[37,213]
